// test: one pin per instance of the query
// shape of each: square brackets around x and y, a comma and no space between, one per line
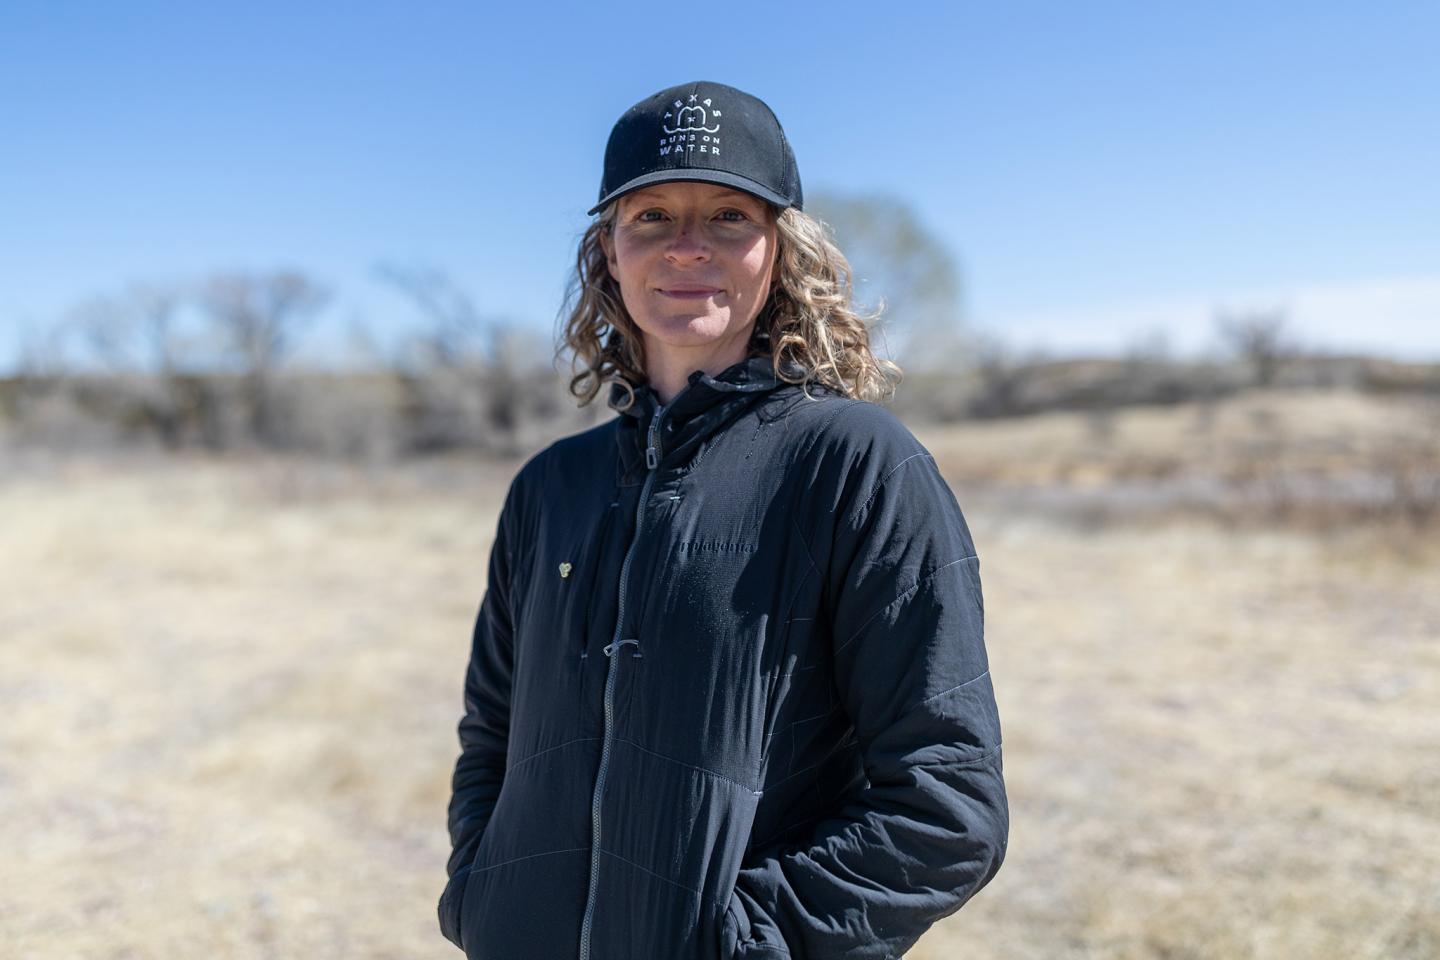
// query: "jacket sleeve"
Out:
[484,728]
[929,827]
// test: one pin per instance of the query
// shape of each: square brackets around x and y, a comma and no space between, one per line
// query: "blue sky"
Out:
[1100,170]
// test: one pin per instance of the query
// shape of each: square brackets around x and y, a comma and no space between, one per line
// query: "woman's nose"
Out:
[687,243]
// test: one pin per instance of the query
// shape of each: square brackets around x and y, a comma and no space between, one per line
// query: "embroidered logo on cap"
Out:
[695,126]
[565,569]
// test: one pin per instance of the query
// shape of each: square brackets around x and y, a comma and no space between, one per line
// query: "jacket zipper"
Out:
[612,651]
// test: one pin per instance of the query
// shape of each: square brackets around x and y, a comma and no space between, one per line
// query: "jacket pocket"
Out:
[781,680]
[729,931]
[770,705]
[471,879]
[448,908]
[467,908]
[747,932]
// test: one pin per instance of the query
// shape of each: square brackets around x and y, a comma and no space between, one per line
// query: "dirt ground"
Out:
[229,694]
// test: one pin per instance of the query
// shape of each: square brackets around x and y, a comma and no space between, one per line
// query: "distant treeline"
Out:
[998,387]
[504,411]
[210,366]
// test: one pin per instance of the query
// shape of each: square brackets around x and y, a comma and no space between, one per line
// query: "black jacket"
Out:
[728,694]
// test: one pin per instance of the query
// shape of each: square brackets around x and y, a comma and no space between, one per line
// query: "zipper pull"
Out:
[652,448]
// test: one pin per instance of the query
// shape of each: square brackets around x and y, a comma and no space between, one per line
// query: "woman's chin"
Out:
[690,331]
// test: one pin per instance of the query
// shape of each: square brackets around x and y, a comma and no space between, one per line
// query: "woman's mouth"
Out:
[689,293]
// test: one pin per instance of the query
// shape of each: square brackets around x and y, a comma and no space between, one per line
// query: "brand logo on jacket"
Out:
[565,569]
[715,546]
[691,127]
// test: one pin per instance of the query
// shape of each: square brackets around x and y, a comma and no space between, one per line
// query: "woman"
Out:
[728,693]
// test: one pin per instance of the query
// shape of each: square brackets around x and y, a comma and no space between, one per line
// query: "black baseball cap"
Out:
[701,131]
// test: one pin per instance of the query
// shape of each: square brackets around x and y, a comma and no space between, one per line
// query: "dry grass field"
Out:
[229,691]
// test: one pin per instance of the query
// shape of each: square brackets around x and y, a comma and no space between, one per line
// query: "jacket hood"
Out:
[704,405]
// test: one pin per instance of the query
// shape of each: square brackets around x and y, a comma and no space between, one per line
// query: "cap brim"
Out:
[694,174]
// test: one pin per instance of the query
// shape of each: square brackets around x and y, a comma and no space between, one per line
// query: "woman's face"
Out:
[694,263]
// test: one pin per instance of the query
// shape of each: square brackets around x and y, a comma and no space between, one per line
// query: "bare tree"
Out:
[1259,338]
[902,267]
[136,332]
[42,366]
[257,316]
[999,378]
[473,370]
[136,338]
[456,331]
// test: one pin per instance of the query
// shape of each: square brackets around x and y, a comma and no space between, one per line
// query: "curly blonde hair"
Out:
[815,334]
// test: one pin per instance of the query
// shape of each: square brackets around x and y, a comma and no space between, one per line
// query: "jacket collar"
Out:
[702,407]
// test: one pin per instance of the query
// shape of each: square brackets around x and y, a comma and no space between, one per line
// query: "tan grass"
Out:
[229,693]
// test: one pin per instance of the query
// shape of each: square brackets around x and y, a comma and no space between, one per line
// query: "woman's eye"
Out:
[644,215]
[734,216]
